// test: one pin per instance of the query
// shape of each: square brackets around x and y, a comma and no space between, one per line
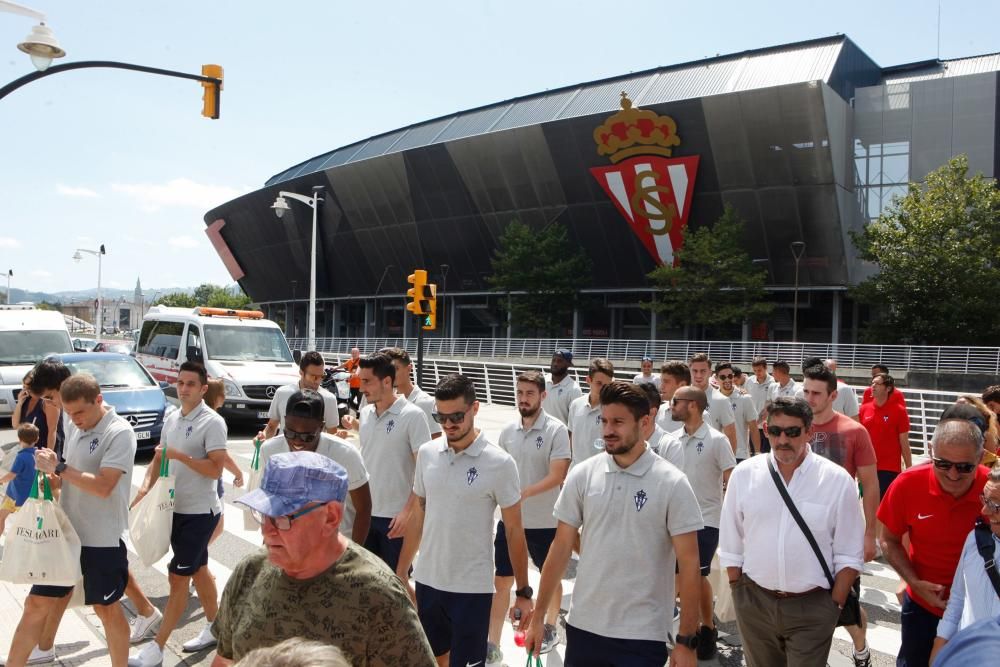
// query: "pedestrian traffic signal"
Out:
[430,320]
[418,293]
[213,91]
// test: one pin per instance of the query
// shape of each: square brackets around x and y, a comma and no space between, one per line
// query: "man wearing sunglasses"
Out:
[310,581]
[889,427]
[747,433]
[720,413]
[936,505]
[304,415]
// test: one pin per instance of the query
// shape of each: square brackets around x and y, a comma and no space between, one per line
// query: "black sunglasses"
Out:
[306,437]
[962,468]
[726,377]
[790,431]
[453,417]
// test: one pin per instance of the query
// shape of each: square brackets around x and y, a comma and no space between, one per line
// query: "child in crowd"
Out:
[21,474]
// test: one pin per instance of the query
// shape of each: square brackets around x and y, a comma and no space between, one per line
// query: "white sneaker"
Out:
[142,625]
[494,656]
[40,657]
[151,655]
[204,640]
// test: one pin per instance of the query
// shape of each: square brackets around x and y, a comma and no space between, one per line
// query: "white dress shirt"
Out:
[758,533]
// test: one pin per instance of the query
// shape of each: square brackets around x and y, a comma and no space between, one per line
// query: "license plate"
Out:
[262,415]
[143,435]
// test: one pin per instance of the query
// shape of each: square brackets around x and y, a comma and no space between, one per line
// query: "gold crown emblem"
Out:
[635,132]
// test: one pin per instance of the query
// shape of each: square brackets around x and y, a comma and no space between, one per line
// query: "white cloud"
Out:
[8,242]
[182,242]
[41,273]
[178,192]
[75,191]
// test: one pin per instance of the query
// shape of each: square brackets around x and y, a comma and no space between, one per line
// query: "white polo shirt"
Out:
[279,404]
[653,379]
[720,414]
[388,443]
[667,446]
[463,491]
[335,449]
[743,412]
[585,428]
[635,510]
[559,396]
[789,390]
[846,402]
[201,431]
[760,392]
[533,450]
[707,454]
[100,522]
[425,402]
[665,419]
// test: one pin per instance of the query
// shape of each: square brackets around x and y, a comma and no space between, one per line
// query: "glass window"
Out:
[162,340]
[194,336]
[245,343]
[30,347]
[120,373]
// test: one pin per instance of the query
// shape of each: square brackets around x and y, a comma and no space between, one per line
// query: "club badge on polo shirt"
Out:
[391,424]
[885,418]
[539,441]
[188,431]
[640,500]
[472,475]
[93,445]
[700,446]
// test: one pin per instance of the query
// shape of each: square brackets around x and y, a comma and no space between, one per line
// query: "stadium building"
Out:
[808,142]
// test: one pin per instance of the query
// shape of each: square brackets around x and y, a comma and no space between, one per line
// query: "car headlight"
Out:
[232,389]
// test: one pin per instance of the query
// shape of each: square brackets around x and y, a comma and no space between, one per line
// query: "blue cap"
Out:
[291,480]
[564,353]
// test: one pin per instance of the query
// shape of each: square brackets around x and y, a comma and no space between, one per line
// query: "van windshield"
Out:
[240,343]
[26,347]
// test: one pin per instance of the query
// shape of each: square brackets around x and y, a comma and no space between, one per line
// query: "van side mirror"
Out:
[297,355]
[194,353]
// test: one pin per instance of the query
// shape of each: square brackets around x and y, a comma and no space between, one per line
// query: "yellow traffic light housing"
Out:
[213,91]
[430,320]
[417,294]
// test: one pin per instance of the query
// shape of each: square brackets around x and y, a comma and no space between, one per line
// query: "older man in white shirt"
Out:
[786,609]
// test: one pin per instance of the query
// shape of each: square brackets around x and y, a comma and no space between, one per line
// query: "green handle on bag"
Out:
[46,488]
[164,463]
[255,461]
[538,661]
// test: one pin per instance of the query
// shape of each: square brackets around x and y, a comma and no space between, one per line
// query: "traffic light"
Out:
[417,293]
[430,320]
[213,91]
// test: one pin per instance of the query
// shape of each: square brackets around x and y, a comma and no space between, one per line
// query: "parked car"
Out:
[115,346]
[84,344]
[129,388]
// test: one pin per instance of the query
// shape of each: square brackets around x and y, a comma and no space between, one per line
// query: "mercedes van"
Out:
[27,335]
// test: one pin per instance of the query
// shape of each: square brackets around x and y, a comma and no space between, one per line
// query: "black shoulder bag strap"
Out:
[799,520]
[984,541]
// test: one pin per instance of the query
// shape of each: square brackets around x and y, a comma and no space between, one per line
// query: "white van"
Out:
[248,353]
[27,335]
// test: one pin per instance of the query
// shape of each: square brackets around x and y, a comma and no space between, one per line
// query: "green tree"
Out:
[206,294]
[542,271]
[714,282]
[938,253]
[178,300]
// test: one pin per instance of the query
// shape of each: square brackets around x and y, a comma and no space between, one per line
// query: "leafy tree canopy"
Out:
[206,294]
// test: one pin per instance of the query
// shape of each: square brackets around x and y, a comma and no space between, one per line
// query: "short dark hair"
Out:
[627,394]
[380,365]
[782,364]
[723,365]
[887,380]
[882,368]
[677,370]
[601,365]
[823,374]
[194,367]
[652,393]
[991,393]
[792,407]
[758,361]
[48,374]
[80,386]
[737,371]
[456,386]
[398,354]
[812,361]
[27,433]
[699,357]
[536,378]
[311,358]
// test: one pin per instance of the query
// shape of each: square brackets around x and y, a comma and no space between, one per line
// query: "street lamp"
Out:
[10,272]
[798,249]
[444,288]
[99,254]
[280,205]
[41,44]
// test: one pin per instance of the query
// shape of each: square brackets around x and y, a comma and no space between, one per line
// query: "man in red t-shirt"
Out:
[888,425]
[936,505]
[844,441]
[896,396]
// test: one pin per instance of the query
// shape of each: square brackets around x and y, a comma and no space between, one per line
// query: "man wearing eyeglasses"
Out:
[311,581]
[889,427]
[936,505]
[303,432]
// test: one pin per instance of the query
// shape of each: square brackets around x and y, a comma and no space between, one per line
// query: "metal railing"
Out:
[899,358]
[496,384]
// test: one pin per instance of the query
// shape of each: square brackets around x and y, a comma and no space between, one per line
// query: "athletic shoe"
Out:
[142,625]
[151,655]
[37,657]
[204,640]
[494,656]
[863,662]
[707,637]
[550,639]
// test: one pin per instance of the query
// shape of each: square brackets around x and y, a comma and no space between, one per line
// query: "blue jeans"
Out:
[919,628]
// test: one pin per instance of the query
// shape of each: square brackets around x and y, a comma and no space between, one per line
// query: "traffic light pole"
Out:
[420,350]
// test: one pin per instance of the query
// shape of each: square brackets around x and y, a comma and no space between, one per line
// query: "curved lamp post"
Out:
[798,249]
[279,206]
[99,319]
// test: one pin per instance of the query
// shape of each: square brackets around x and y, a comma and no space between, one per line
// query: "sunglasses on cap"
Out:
[962,468]
[453,417]
[790,431]
[306,437]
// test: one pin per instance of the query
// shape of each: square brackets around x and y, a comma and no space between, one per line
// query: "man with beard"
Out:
[665,445]
[560,387]
[625,500]
[304,421]
[539,444]
[457,486]
[743,411]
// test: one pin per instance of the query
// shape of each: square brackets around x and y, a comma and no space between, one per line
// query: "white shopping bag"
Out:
[151,520]
[253,482]
[42,545]
[724,609]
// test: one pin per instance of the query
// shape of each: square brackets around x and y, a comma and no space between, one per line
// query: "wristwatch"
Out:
[690,641]
[525,592]
[59,468]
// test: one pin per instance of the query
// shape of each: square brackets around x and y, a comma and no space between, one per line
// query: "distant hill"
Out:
[75,296]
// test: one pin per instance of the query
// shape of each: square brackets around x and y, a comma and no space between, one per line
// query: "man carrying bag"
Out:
[152,518]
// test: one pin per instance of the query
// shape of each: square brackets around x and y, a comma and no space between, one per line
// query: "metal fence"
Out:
[496,384]
[898,358]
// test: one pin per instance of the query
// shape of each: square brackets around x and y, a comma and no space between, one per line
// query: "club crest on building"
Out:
[471,475]
[640,500]
[651,189]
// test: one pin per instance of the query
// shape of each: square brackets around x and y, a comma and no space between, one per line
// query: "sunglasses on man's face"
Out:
[307,437]
[730,376]
[790,431]
[962,468]
[444,417]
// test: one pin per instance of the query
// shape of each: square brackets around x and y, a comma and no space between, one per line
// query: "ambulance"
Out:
[247,352]
[27,335]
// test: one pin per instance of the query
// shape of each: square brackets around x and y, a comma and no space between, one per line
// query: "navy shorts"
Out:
[455,622]
[539,540]
[105,574]
[885,478]
[189,539]
[380,544]
[708,542]
[586,649]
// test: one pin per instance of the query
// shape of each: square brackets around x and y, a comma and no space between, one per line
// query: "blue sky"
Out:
[126,159]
